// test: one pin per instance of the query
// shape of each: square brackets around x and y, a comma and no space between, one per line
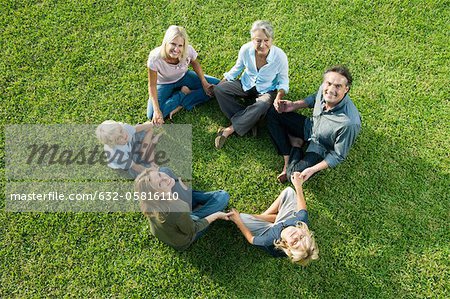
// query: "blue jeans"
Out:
[213,201]
[170,96]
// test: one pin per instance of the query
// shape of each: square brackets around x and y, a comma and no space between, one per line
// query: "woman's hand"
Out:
[208,88]
[223,215]
[297,179]
[158,118]
[218,215]
[234,215]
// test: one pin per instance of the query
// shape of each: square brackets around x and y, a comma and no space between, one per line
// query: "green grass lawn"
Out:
[380,218]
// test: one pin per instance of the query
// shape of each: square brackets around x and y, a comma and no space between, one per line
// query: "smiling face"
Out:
[122,137]
[174,48]
[161,181]
[334,88]
[292,235]
[261,42]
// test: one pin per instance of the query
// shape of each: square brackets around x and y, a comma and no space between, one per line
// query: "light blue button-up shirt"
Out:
[272,76]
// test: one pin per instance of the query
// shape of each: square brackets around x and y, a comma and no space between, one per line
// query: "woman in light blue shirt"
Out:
[264,80]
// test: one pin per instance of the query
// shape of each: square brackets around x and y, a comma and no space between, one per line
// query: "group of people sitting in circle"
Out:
[307,144]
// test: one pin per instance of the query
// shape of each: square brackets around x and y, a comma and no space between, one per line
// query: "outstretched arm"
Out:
[297,180]
[288,106]
[308,172]
[236,218]
[218,215]
[198,70]
[157,118]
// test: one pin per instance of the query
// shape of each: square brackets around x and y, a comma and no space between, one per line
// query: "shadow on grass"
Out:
[379,218]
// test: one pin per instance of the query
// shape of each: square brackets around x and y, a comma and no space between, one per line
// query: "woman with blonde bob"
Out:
[171,86]
[177,214]
[282,230]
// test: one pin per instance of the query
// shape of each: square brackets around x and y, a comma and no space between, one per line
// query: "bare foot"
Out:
[185,90]
[228,131]
[171,114]
[296,141]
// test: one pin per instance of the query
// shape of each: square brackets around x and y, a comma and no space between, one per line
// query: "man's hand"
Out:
[284,106]
[307,173]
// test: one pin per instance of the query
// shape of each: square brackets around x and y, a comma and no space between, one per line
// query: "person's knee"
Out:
[295,141]
[212,80]
[224,88]
[262,107]
[223,198]
[219,89]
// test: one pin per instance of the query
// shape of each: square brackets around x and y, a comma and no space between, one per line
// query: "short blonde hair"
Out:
[264,26]
[171,33]
[150,208]
[304,251]
[108,132]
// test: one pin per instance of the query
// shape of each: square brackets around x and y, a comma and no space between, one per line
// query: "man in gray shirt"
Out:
[329,133]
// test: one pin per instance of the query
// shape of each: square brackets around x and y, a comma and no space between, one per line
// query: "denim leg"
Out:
[211,202]
[299,161]
[169,97]
[197,95]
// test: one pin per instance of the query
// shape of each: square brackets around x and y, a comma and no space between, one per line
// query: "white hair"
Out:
[265,26]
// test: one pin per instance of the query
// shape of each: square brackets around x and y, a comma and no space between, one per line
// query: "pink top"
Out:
[170,73]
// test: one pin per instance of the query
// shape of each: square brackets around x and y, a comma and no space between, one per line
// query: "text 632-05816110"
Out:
[138,196]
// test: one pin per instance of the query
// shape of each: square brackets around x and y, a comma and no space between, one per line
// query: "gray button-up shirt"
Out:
[331,133]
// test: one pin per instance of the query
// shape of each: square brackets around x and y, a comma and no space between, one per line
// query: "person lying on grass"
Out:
[128,148]
[177,214]
[171,86]
[282,230]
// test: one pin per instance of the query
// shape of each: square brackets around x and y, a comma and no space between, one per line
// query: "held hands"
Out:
[297,179]
[283,106]
[234,215]
[307,173]
[223,215]
[208,88]
[158,118]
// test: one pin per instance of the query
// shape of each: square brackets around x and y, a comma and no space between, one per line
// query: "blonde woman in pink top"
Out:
[171,85]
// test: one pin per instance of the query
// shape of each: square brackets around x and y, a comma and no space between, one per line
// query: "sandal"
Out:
[220,139]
